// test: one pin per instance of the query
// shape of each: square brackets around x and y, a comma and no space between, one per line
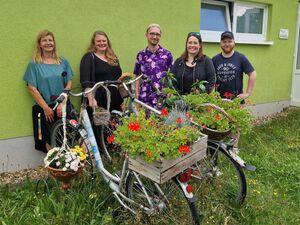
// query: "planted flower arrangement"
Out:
[160,147]
[214,113]
[64,164]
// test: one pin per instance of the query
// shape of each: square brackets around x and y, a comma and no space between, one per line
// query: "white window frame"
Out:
[248,37]
[214,36]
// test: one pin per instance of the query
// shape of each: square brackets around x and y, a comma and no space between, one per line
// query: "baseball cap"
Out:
[227,34]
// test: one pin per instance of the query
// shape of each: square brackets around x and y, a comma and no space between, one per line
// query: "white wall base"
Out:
[262,110]
[19,153]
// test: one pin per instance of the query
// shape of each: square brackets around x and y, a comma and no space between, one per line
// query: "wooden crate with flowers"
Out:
[160,148]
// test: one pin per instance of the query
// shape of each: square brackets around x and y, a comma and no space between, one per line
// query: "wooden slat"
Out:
[163,170]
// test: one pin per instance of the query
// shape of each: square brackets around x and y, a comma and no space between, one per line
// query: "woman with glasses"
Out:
[193,66]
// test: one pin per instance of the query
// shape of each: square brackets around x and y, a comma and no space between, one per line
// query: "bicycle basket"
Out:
[101,116]
[215,134]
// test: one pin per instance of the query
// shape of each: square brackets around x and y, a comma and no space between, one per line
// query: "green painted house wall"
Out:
[74,21]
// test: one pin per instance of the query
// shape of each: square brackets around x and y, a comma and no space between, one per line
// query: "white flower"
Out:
[58,163]
[67,165]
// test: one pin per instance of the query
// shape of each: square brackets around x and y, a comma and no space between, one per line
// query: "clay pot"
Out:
[65,177]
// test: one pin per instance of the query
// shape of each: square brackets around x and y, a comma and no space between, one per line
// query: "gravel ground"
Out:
[19,177]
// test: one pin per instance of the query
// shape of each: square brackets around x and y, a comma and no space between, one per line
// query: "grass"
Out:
[273,189]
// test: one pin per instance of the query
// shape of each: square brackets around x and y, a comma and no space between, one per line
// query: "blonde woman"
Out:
[47,75]
[100,63]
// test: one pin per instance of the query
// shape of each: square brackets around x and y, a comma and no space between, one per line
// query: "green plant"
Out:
[65,159]
[208,116]
[154,138]
[169,92]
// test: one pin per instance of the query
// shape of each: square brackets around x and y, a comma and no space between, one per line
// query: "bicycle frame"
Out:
[115,182]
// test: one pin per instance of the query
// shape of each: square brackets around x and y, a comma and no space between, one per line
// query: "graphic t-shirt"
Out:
[229,72]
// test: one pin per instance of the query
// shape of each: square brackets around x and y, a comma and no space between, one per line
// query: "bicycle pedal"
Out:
[250,167]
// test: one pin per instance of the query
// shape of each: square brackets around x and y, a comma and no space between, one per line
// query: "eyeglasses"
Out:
[197,34]
[154,34]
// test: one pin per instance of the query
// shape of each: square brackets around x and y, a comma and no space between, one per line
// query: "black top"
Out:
[93,70]
[202,71]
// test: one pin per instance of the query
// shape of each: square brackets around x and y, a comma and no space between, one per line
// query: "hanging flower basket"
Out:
[65,164]
[64,176]
[215,134]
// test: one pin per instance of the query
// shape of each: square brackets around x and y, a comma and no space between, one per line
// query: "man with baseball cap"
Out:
[230,67]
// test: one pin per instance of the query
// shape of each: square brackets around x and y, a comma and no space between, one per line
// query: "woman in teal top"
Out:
[47,75]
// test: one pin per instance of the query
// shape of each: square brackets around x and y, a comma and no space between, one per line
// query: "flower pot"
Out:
[215,134]
[65,177]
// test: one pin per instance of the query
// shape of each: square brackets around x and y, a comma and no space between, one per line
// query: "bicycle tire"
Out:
[171,207]
[221,178]
[73,138]
[113,162]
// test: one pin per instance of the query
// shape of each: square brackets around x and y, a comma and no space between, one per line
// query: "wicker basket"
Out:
[215,134]
[101,116]
[122,91]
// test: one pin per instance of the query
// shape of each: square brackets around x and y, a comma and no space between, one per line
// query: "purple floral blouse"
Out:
[154,65]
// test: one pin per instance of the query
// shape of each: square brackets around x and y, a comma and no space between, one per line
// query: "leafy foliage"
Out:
[152,137]
[240,117]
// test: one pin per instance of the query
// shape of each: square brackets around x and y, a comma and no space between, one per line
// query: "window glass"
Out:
[249,20]
[213,17]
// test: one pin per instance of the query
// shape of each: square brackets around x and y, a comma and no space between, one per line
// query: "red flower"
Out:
[178,120]
[228,95]
[187,115]
[218,117]
[110,139]
[148,153]
[164,112]
[184,149]
[134,126]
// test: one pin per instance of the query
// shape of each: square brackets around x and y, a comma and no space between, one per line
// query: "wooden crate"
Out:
[163,170]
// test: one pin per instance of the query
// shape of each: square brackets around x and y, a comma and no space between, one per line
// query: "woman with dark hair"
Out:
[193,66]
[100,63]
[47,75]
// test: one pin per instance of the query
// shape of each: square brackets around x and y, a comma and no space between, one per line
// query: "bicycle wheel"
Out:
[111,153]
[73,138]
[170,206]
[222,179]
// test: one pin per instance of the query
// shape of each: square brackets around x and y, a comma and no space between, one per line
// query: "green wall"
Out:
[74,21]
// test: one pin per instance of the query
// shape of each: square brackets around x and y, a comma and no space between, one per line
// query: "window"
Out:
[248,21]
